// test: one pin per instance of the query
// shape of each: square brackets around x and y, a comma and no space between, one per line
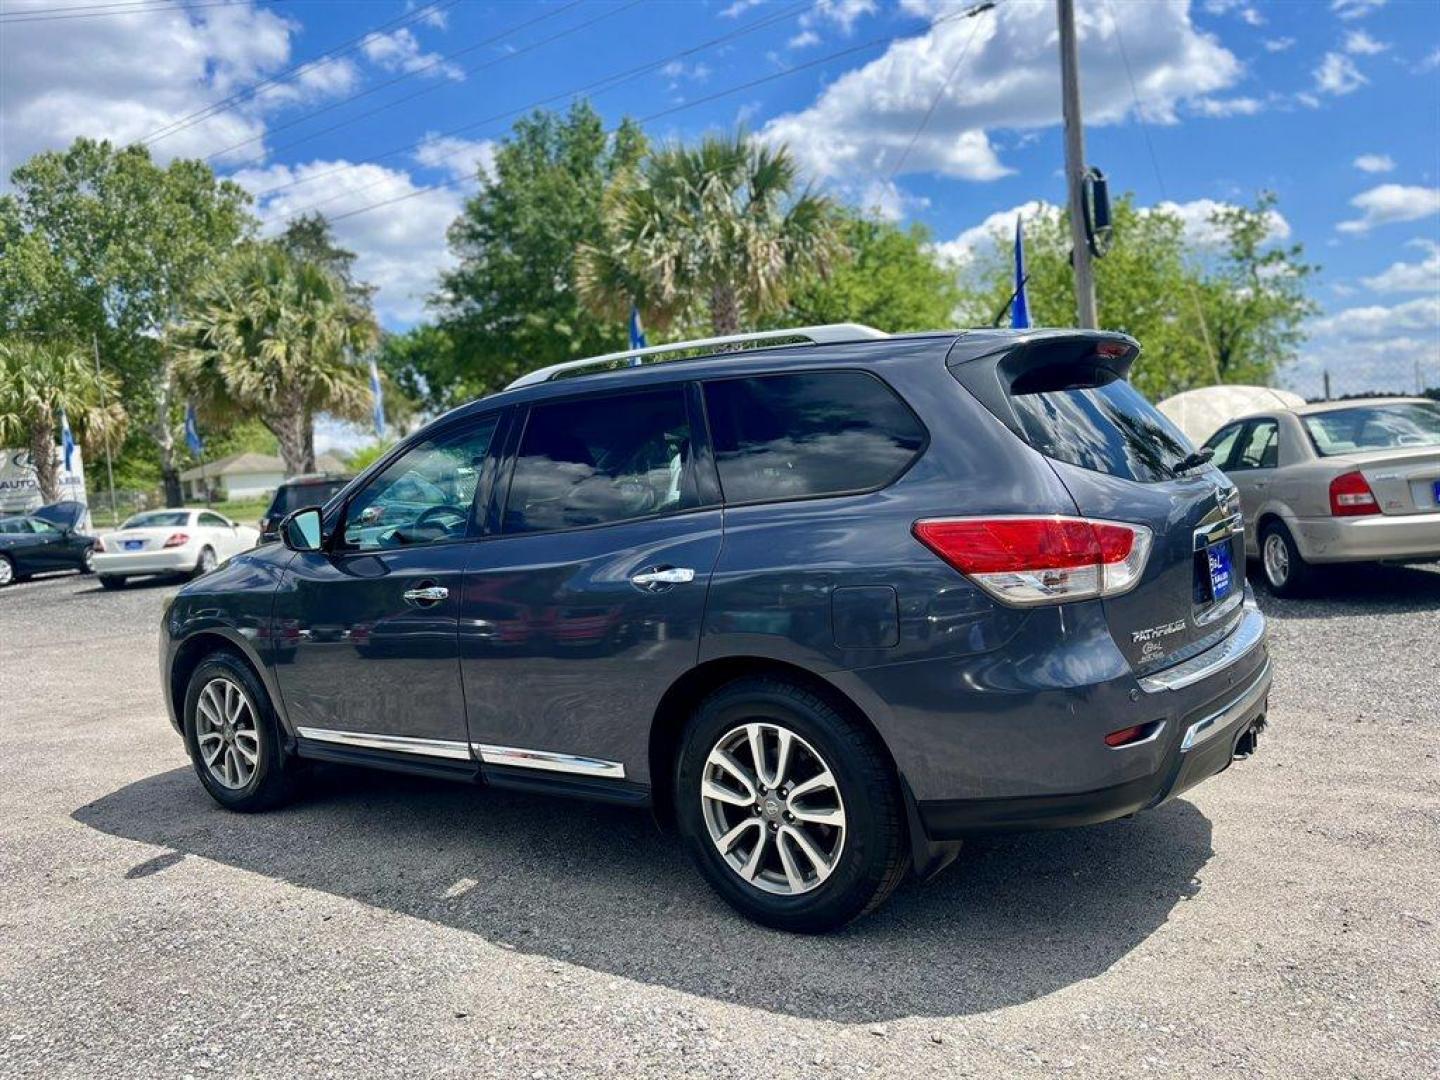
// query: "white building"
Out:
[246,475]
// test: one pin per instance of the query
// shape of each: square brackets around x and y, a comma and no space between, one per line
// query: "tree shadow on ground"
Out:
[1014,919]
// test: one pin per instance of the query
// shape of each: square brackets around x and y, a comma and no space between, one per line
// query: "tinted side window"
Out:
[1259,446]
[812,433]
[424,495]
[1223,443]
[214,521]
[600,460]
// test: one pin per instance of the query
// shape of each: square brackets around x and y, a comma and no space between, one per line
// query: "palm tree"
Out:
[38,380]
[717,225]
[280,339]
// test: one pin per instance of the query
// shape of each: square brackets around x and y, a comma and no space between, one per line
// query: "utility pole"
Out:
[1075,165]
[109,463]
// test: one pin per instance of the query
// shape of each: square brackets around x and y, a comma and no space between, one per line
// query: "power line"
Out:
[739,88]
[348,46]
[430,65]
[597,86]
[1160,182]
[11,18]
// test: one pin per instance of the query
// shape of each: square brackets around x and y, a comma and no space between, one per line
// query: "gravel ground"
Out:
[1280,920]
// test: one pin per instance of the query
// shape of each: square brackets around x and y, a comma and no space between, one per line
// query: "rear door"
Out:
[587,605]
[1117,456]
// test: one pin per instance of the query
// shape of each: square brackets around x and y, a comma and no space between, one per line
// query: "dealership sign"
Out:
[20,490]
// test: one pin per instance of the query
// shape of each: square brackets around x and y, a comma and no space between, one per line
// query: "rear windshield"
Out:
[293,496]
[1109,428]
[158,519]
[1375,427]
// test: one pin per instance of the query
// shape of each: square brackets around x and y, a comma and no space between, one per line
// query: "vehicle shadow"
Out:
[1014,919]
[1359,589]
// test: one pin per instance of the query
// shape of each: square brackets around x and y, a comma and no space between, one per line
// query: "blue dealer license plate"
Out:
[1222,578]
[134,545]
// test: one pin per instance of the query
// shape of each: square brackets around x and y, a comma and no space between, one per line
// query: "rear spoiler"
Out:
[1045,360]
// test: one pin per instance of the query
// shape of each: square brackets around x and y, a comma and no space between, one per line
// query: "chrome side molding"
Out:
[549,761]
[443,748]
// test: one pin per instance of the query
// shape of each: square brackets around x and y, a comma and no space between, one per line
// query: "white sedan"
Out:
[169,542]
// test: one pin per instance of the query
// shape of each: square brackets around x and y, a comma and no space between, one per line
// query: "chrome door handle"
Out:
[665,575]
[428,595]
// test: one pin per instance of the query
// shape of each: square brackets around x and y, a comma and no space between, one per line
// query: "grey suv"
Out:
[828,601]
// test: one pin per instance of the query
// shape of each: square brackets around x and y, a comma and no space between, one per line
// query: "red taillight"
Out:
[1350,496]
[1039,560]
[177,540]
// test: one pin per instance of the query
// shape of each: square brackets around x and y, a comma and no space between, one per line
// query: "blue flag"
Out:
[637,333]
[67,440]
[1020,309]
[378,400]
[192,431]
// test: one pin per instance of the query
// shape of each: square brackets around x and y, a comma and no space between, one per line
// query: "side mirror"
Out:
[301,530]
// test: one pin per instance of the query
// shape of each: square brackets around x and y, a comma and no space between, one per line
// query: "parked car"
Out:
[308,490]
[48,539]
[844,603]
[181,541]
[1335,482]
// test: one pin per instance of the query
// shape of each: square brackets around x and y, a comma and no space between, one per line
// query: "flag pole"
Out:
[109,462]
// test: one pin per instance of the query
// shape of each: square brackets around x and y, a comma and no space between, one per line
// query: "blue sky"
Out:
[1332,104]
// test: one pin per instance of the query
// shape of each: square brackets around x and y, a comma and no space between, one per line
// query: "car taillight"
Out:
[1350,496]
[177,540]
[1040,560]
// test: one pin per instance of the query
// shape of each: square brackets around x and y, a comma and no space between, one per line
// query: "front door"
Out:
[1252,469]
[587,606]
[365,632]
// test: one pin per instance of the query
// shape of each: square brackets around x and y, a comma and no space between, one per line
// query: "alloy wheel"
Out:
[7,572]
[1277,559]
[226,733]
[87,561]
[207,561]
[773,808]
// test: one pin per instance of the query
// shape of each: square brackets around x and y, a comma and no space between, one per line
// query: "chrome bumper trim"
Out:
[1248,634]
[1219,720]
[550,762]
[429,747]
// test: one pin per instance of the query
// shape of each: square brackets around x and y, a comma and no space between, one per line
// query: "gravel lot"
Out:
[1281,920]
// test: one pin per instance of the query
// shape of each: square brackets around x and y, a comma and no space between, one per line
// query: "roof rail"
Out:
[819,335]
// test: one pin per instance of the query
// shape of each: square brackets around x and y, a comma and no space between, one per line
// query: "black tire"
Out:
[272,780]
[204,565]
[873,857]
[1286,574]
[8,576]
[112,581]
[87,561]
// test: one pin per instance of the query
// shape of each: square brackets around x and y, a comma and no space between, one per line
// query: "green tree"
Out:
[1191,308]
[719,225]
[425,366]
[891,280]
[101,242]
[309,238]
[276,338]
[38,380]
[510,305]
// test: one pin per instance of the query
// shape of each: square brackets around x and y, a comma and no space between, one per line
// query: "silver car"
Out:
[1338,481]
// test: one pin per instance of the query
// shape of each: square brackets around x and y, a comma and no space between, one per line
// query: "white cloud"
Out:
[1430,63]
[889,201]
[1390,203]
[1278,45]
[400,247]
[1252,17]
[1355,9]
[1377,321]
[1373,347]
[130,74]
[677,71]
[1223,107]
[998,228]
[399,50]
[1362,44]
[738,8]
[1337,74]
[804,39]
[1422,276]
[1374,163]
[463,159]
[1201,230]
[861,124]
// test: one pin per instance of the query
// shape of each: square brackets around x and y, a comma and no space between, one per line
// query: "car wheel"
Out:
[7,571]
[205,563]
[112,581]
[87,561]
[1286,571]
[789,809]
[233,738]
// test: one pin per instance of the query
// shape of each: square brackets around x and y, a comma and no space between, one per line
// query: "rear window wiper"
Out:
[1194,460]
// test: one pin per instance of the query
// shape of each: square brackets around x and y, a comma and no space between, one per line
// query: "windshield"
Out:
[1375,427]
[158,519]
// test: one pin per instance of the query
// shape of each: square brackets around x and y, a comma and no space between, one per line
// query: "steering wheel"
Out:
[456,512]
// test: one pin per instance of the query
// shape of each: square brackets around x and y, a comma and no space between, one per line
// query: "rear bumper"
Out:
[1369,538]
[116,563]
